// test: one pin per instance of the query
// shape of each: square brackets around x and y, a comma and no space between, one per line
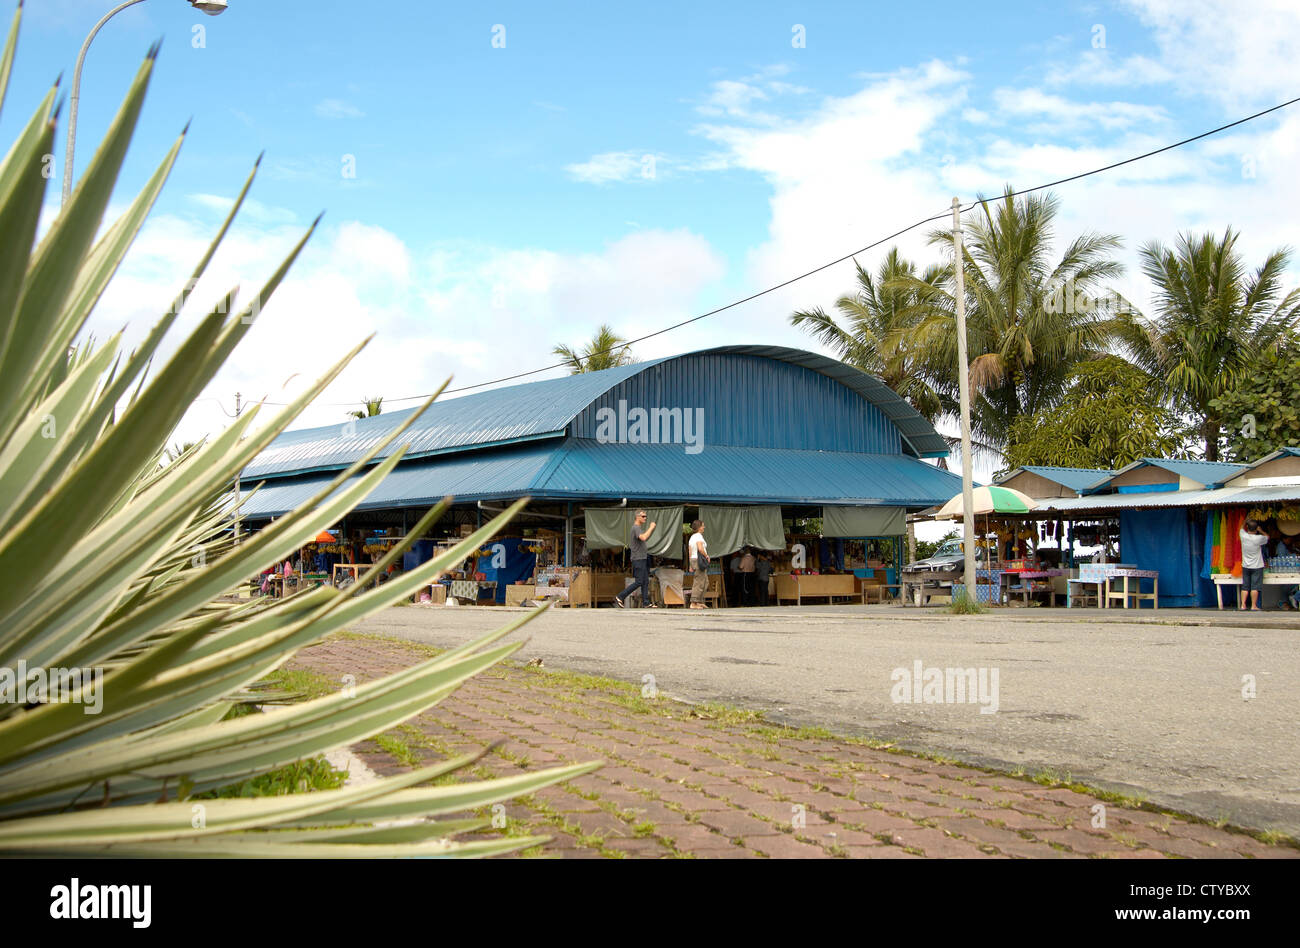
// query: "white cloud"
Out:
[252,209]
[1061,114]
[729,97]
[337,109]
[1102,67]
[1239,54]
[620,166]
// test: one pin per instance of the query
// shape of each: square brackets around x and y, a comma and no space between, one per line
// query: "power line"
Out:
[849,256]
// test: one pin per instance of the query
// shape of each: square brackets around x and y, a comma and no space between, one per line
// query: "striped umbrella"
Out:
[989,500]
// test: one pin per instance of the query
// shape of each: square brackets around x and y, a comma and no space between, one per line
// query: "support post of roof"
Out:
[568,533]
[963,383]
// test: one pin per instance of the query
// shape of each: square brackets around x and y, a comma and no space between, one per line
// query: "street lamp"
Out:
[210,7]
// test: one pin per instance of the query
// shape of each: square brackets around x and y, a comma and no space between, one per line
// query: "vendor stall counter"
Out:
[1270,579]
[801,586]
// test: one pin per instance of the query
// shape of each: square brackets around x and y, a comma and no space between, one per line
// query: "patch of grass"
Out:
[310,683]
[314,773]
[398,749]
[724,714]
[429,650]
[644,830]
[963,605]
[637,704]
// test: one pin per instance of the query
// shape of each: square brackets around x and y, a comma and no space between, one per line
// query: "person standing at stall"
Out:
[640,560]
[697,553]
[762,572]
[1253,539]
[747,578]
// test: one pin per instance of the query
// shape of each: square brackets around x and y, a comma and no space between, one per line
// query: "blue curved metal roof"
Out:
[545,409]
[581,469]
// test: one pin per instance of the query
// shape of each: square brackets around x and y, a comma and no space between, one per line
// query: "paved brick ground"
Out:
[680,781]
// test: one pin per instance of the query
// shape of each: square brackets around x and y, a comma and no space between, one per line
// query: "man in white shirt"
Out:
[1253,539]
[698,554]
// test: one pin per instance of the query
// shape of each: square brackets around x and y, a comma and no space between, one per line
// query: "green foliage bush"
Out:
[1262,414]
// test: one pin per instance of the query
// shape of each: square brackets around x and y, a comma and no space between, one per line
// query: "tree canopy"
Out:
[606,350]
[1105,419]
[1262,413]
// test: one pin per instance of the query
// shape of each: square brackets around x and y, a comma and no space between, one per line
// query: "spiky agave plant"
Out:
[113,563]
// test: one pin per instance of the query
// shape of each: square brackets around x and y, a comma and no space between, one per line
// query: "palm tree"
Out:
[605,351]
[374,406]
[1023,344]
[875,334]
[1212,321]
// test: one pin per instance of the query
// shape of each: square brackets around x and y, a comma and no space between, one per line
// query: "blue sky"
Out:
[637,164]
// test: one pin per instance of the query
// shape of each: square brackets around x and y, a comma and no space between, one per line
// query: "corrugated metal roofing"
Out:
[581,469]
[916,431]
[500,416]
[544,409]
[1074,478]
[1203,472]
[737,474]
[1174,498]
[1209,473]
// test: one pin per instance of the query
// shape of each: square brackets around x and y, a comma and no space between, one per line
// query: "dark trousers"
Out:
[640,578]
[747,591]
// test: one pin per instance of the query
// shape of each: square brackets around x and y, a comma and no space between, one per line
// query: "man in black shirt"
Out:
[640,565]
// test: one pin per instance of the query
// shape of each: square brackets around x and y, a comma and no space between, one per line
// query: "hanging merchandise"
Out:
[1225,553]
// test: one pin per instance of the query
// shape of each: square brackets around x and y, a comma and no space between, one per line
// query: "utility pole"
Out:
[963,388]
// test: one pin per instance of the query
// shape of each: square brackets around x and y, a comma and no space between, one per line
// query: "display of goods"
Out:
[1287,564]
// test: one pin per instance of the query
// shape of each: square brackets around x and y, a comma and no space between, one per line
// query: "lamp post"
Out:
[963,388]
[210,7]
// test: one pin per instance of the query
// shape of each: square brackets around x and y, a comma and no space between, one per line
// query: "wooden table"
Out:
[1137,575]
[354,568]
[1030,574]
[1099,575]
[922,584]
[790,586]
[472,590]
[1270,579]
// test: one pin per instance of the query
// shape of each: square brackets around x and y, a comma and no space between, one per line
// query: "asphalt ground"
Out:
[1192,710]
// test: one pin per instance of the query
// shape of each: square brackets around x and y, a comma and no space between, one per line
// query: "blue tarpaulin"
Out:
[518,564]
[421,551]
[1168,542]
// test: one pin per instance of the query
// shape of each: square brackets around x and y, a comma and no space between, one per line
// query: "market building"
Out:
[780,450]
[1167,525]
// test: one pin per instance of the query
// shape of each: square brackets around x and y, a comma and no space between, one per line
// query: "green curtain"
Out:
[863,522]
[609,529]
[727,529]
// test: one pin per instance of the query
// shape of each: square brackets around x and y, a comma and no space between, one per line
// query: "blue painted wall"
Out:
[754,402]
